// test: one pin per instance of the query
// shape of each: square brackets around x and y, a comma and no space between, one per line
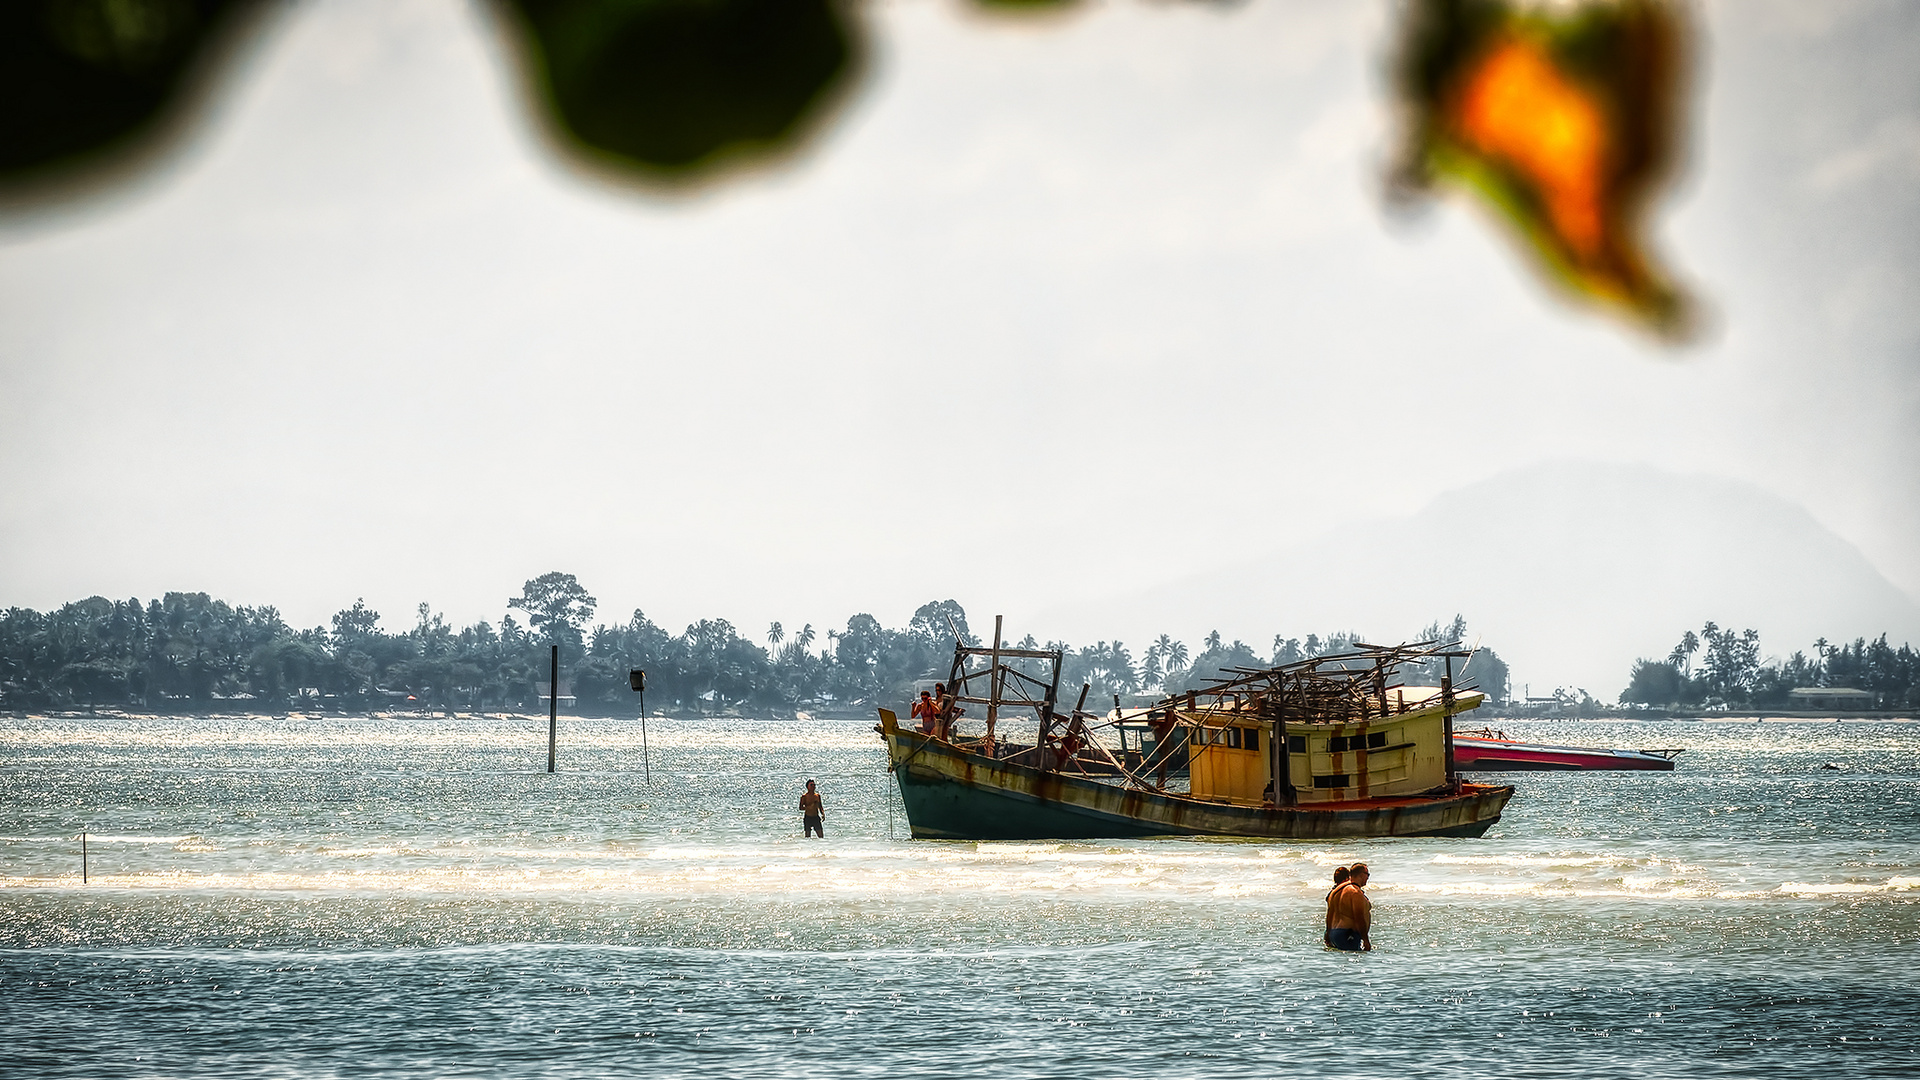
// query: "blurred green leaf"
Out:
[81,76]
[676,85]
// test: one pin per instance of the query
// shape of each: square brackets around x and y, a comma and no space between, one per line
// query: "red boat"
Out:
[1487,750]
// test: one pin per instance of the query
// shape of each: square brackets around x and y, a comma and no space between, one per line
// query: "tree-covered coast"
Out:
[189,651]
[1724,667]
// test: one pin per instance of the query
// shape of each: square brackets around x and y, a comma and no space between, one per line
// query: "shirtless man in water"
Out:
[1351,913]
[1339,882]
[811,812]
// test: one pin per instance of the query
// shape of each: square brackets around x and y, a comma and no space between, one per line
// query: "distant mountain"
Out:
[1570,570]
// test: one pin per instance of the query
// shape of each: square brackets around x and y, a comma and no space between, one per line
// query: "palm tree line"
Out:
[1723,666]
[191,652]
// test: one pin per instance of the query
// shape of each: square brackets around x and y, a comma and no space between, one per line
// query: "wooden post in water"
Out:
[83,858]
[637,679]
[553,706]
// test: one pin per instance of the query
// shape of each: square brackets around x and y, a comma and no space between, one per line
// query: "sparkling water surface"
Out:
[417,897]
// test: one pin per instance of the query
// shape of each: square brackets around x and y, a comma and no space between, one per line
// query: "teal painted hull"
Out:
[953,794]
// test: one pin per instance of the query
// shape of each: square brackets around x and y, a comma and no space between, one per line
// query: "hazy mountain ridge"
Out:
[1570,569]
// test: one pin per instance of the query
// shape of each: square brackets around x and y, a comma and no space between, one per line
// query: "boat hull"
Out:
[1495,755]
[954,794]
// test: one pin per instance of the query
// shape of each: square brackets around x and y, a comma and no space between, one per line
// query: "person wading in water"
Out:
[1350,913]
[811,813]
[1339,880]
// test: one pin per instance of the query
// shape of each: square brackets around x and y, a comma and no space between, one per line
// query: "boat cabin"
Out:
[1232,755]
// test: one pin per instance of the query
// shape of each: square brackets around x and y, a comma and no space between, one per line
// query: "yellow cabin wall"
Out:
[1389,768]
[1392,769]
[1219,771]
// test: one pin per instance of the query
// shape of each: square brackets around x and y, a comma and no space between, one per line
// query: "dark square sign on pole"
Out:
[637,679]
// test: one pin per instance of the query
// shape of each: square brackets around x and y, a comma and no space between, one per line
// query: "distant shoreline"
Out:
[1691,715]
[1465,720]
[385,714]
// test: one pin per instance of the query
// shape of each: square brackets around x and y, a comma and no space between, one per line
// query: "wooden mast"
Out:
[993,686]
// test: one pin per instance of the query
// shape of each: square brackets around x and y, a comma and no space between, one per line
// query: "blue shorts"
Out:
[1344,939]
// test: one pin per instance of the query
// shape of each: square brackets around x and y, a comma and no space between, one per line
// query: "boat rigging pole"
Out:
[993,687]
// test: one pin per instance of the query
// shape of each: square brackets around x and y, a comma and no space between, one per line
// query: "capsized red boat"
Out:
[1487,750]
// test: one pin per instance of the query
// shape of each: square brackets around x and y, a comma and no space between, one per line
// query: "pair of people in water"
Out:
[1349,912]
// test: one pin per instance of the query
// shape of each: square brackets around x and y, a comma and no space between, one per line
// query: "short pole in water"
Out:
[553,706]
[83,858]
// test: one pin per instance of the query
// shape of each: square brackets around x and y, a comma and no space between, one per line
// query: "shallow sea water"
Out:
[417,897]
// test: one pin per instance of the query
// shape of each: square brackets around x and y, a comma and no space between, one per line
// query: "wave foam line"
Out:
[1848,888]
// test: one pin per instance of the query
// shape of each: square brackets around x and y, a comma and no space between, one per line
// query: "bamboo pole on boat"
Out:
[1283,793]
[993,685]
[943,724]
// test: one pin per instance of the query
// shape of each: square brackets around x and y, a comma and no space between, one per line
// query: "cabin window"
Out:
[1250,738]
[1336,780]
[1296,744]
[1368,741]
[1233,738]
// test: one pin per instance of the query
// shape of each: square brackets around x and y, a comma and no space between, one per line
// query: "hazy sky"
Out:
[1121,282]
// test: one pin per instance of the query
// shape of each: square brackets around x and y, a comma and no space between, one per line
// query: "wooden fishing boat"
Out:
[1356,757]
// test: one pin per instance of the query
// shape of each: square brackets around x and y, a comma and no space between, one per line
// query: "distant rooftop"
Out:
[1832,697]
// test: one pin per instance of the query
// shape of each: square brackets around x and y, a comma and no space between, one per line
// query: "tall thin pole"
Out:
[553,706]
[1283,793]
[993,687]
[645,759]
[83,858]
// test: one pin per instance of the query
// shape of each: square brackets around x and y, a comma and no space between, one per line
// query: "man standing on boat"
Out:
[811,813]
[1163,725]
[1352,921]
[942,711]
[926,712]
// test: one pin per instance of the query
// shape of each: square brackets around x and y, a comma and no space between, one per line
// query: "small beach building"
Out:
[1835,698]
